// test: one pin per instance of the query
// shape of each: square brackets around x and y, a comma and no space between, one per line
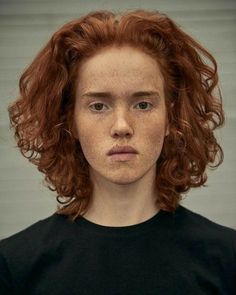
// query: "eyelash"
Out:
[104,104]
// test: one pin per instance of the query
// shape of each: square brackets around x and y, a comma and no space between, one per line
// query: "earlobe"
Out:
[168,123]
[74,131]
[167,129]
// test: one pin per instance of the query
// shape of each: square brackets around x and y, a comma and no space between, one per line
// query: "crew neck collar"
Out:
[138,228]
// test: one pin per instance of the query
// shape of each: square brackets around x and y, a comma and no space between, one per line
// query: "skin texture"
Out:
[124,191]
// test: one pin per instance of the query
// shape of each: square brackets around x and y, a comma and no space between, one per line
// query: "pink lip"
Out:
[122,149]
[122,156]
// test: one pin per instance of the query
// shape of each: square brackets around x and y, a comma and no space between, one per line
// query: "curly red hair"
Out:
[42,116]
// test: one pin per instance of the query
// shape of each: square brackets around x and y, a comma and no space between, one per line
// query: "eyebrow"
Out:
[109,95]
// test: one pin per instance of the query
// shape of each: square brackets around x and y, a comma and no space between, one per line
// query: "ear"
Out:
[167,122]
[74,130]
[167,129]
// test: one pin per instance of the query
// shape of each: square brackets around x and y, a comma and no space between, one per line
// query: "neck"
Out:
[123,205]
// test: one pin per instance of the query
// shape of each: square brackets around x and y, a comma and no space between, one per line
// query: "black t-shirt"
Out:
[171,253]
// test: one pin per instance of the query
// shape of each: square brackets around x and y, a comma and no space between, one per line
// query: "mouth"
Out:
[122,149]
[122,156]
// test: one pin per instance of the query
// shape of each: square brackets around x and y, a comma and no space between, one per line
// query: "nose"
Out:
[122,125]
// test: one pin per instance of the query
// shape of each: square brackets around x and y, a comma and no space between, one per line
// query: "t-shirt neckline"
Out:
[143,226]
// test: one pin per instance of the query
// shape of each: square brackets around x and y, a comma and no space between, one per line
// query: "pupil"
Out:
[98,104]
[143,104]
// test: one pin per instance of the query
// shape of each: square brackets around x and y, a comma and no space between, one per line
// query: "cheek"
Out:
[154,138]
[89,149]
[90,139]
[82,127]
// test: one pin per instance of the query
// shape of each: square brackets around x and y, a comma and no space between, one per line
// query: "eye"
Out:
[98,106]
[143,104]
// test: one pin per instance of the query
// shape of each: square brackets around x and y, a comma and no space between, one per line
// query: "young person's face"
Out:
[121,119]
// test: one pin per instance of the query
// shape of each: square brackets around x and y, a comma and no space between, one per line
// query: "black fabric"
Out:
[170,253]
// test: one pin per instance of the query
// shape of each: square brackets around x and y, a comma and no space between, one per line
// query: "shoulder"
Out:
[195,219]
[29,248]
[198,227]
[37,234]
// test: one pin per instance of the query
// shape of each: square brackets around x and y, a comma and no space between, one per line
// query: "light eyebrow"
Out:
[109,95]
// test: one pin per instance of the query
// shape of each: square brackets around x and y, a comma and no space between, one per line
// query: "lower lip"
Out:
[122,156]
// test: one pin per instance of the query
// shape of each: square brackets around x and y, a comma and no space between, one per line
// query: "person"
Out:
[119,110]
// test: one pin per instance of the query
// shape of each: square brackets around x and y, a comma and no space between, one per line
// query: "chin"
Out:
[124,179]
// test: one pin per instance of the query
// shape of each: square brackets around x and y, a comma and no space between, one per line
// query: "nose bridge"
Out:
[122,120]
[122,114]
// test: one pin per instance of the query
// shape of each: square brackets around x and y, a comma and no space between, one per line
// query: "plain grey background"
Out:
[25,27]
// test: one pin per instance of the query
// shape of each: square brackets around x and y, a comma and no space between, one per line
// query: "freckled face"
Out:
[118,116]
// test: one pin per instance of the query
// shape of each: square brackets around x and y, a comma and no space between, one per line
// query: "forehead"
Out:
[119,67]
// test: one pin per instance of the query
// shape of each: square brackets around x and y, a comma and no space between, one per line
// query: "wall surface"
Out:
[25,26]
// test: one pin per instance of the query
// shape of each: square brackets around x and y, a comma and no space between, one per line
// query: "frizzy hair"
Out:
[42,115]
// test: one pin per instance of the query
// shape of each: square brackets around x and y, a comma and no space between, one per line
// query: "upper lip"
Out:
[122,149]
